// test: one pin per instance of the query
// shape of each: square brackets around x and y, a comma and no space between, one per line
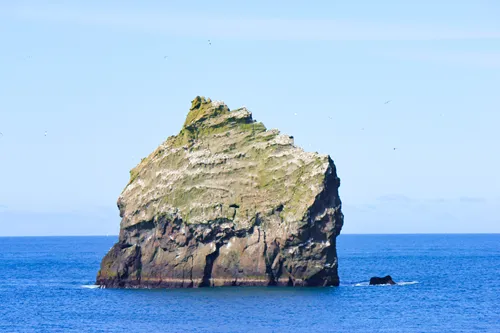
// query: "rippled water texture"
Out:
[449,283]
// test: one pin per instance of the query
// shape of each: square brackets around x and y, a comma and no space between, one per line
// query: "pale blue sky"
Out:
[94,77]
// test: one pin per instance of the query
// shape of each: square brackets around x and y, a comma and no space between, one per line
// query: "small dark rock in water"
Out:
[381,280]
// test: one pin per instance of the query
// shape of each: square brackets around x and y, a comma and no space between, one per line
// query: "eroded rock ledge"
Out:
[227,203]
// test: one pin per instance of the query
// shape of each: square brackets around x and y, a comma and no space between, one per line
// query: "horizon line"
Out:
[347,234]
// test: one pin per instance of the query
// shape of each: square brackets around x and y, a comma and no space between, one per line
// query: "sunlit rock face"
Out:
[227,203]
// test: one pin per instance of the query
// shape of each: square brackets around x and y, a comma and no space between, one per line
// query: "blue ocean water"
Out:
[451,283]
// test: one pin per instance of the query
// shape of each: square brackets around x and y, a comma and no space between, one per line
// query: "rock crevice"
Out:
[227,202]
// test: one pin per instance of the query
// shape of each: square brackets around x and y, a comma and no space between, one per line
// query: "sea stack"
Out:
[227,202]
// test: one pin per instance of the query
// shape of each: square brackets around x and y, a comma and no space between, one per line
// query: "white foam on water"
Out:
[407,283]
[402,283]
[90,286]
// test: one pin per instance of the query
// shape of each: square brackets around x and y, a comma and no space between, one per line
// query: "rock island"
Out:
[227,202]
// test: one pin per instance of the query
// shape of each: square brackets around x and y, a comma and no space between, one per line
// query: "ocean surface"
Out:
[448,283]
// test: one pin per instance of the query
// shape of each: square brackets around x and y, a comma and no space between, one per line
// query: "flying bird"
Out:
[387,102]
[209,42]
[394,148]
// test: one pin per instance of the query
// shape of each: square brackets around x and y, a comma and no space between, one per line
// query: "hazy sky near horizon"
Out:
[95,77]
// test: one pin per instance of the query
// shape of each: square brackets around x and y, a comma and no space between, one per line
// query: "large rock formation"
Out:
[227,202]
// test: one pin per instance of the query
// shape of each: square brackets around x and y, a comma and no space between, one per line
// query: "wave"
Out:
[407,283]
[367,284]
[358,284]
[90,286]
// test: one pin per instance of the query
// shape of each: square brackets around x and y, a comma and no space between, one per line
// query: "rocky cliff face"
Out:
[227,203]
